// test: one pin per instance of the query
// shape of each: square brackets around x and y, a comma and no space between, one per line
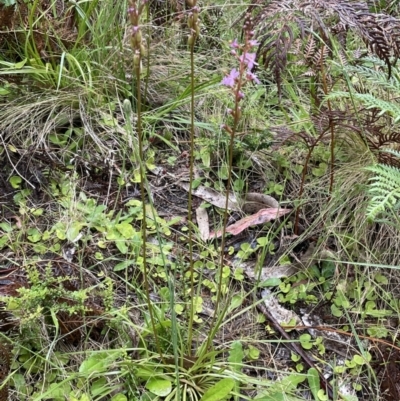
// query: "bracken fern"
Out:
[384,188]
[289,27]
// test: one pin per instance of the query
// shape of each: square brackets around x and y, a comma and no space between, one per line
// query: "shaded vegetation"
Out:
[199,200]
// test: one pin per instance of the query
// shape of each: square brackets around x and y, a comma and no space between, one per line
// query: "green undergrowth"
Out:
[107,297]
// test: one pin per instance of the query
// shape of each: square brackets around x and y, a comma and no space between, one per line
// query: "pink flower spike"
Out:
[230,79]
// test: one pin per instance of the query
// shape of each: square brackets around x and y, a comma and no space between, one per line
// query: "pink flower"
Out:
[234,44]
[249,59]
[252,77]
[230,79]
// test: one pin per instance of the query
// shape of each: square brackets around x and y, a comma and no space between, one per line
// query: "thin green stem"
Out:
[236,117]
[143,198]
[190,233]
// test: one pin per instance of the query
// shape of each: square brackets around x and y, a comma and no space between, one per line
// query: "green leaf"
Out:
[94,364]
[205,158]
[74,230]
[145,373]
[377,331]
[6,227]
[336,311]
[38,212]
[379,313]
[380,278]
[15,181]
[237,300]
[236,355]
[359,360]
[313,382]
[263,241]
[98,362]
[121,245]
[305,341]
[254,353]
[34,235]
[219,391]
[350,364]
[123,265]
[99,387]
[349,397]
[320,171]
[223,172]
[60,233]
[125,229]
[238,185]
[4,91]
[57,390]
[113,235]
[271,282]
[279,397]
[179,309]
[119,397]
[159,387]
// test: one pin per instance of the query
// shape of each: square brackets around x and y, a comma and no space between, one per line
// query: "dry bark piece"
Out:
[212,196]
[261,217]
[255,202]
[203,223]
[252,202]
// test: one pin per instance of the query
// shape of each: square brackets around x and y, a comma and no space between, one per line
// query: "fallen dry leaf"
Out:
[202,222]
[212,196]
[261,217]
[253,202]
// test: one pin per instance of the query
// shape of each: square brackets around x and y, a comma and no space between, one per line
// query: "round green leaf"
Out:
[159,387]
[119,397]
[15,181]
[336,311]
[322,396]
[359,360]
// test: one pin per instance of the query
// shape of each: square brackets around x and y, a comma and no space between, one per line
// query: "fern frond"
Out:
[375,76]
[384,188]
[370,101]
[278,23]
[393,152]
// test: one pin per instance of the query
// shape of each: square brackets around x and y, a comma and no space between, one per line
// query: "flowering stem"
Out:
[235,80]
[193,22]
[135,11]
